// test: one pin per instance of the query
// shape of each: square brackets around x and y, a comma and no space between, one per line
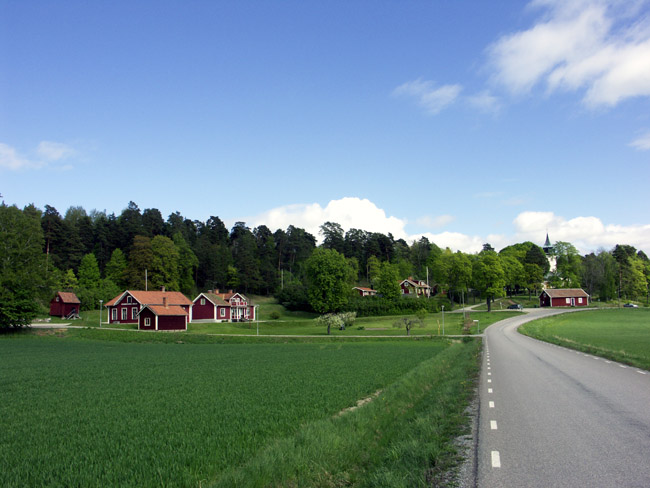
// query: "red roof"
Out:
[68,297]
[166,311]
[153,298]
[565,292]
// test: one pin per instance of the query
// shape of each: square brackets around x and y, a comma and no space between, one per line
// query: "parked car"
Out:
[631,305]
[515,306]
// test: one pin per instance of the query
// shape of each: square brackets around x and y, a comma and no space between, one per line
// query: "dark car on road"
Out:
[631,305]
[515,306]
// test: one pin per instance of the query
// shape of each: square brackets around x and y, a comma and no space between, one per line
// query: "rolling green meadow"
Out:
[88,407]
[619,334]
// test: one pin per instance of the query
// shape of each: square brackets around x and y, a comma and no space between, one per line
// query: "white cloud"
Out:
[642,142]
[430,97]
[54,151]
[599,46]
[10,159]
[484,101]
[586,233]
[434,222]
[46,152]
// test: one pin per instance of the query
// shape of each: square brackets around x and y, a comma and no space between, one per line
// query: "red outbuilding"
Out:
[65,305]
[365,292]
[213,306]
[563,297]
[163,317]
[124,308]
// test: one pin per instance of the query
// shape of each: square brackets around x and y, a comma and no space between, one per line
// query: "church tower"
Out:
[549,250]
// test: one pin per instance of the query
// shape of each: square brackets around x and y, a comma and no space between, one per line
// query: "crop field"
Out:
[619,334]
[80,412]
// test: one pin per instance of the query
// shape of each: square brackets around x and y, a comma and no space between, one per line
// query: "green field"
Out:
[619,334]
[77,411]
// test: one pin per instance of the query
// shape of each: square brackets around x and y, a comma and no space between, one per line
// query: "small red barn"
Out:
[124,308]
[213,306]
[64,304]
[563,297]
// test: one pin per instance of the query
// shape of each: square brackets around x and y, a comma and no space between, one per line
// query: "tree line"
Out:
[97,255]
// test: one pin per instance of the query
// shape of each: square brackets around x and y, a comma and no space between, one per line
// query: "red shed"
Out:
[564,297]
[64,304]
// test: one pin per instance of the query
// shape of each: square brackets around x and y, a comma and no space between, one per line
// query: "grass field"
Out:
[619,334]
[75,411]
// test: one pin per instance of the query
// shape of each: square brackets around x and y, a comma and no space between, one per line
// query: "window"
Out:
[568,300]
[129,299]
[580,300]
[133,312]
[114,314]
[202,301]
[222,312]
[147,321]
[124,314]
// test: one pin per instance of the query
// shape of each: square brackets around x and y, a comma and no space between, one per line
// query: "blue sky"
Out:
[467,122]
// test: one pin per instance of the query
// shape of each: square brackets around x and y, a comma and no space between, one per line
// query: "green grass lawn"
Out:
[619,334]
[75,411]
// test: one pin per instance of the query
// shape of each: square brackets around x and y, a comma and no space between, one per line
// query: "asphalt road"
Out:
[552,417]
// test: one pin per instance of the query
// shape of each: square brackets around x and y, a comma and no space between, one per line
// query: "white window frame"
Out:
[579,299]
[202,301]
[129,299]
[114,314]
[568,300]
[147,321]
[134,313]
[124,314]
[222,313]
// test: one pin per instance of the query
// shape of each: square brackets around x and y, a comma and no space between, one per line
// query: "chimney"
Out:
[229,291]
[216,292]
[165,302]
[163,289]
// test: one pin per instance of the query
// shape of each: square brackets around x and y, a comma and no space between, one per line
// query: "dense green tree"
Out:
[21,265]
[514,273]
[333,236]
[129,225]
[488,276]
[388,281]
[140,264]
[245,257]
[568,266]
[164,269]
[327,276]
[266,253]
[187,264]
[152,222]
[89,285]
[115,269]
[536,255]
[533,277]
[54,230]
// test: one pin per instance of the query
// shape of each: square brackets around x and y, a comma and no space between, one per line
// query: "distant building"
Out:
[418,288]
[563,297]
[124,308]
[213,306]
[549,250]
[64,304]
[365,292]
[163,317]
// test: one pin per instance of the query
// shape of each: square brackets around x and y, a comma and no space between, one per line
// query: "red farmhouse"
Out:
[213,306]
[64,304]
[124,308]
[564,297]
[415,287]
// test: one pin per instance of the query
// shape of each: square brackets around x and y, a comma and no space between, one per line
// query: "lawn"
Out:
[619,334]
[75,411]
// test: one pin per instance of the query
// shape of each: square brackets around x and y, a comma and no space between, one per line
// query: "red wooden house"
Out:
[213,306]
[124,308]
[64,304]
[365,292]
[563,297]
[163,317]
[418,288]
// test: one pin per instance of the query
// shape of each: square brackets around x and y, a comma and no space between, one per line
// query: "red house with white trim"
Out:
[418,288]
[365,292]
[124,308]
[163,317]
[213,306]
[563,297]
[64,304]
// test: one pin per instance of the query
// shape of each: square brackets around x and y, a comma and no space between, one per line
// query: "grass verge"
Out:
[619,334]
[403,438]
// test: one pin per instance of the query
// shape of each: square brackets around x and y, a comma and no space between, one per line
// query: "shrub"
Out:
[275,315]
[378,306]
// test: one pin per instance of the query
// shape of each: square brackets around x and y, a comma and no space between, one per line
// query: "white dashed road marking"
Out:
[489,390]
[489,381]
[496,459]
[493,424]
[491,404]
[641,372]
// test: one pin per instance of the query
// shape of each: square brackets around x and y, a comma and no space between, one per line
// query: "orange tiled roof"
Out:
[153,297]
[68,297]
[565,292]
[170,310]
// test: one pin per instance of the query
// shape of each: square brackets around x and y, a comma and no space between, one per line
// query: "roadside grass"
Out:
[84,412]
[503,303]
[619,334]
[403,438]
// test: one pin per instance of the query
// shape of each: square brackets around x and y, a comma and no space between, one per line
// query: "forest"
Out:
[97,255]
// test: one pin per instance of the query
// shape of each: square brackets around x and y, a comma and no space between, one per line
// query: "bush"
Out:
[294,297]
[275,315]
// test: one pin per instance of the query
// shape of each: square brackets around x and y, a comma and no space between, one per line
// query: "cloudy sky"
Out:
[468,122]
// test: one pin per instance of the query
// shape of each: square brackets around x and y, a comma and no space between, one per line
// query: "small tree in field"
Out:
[330,320]
[407,323]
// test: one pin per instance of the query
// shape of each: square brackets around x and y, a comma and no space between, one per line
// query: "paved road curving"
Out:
[552,417]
